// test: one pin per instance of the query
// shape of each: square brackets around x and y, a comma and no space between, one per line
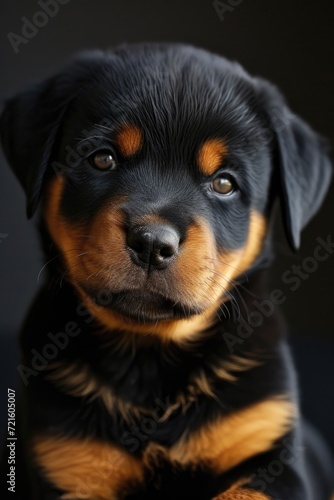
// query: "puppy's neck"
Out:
[141,369]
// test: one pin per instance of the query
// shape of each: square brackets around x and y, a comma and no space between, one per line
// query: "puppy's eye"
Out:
[223,185]
[104,160]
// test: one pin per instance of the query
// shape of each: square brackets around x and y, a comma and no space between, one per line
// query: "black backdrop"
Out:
[288,42]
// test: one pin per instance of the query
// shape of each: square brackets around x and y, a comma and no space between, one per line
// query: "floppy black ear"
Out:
[29,124]
[301,157]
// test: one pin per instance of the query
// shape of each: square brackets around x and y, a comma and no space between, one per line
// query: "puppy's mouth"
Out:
[142,306]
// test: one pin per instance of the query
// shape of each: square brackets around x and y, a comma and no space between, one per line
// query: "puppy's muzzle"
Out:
[153,246]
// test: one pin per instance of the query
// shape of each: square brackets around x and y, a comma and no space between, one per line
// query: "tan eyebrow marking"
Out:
[211,154]
[129,139]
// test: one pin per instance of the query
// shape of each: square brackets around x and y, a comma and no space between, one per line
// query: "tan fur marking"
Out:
[239,491]
[202,382]
[84,249]
[230,265]
[256,234]
[233,363]
[211,155]
[129,140]
[242,494]
[86,468]
[228,442]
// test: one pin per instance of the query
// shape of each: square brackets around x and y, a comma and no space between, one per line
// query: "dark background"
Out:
[290,43]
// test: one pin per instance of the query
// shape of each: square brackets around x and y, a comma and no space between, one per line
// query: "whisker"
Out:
[212,303]
[62,278]
[229,265]
[233,300]
[89,138]
[236,286]
[235,283]
[40,272]
[103,126]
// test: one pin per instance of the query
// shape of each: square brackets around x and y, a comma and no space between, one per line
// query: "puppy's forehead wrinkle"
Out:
[173,99]
[165,124]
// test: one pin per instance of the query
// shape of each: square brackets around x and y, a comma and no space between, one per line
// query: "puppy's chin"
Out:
[141,306]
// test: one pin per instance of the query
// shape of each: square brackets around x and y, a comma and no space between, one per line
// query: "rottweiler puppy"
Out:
[155,362]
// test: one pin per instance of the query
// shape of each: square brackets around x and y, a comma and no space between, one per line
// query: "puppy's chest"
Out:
[131,404]
[131,447]
[122,417]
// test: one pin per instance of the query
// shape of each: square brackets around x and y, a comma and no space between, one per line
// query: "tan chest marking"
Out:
[226,443]
[86,468]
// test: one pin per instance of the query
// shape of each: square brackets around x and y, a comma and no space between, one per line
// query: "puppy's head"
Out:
[157,166]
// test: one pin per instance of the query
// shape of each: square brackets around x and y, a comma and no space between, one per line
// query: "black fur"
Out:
[179,96]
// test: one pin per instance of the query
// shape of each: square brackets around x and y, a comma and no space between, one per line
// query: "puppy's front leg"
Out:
[83,468]
[276,475]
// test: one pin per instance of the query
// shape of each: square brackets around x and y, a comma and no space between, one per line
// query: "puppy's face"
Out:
[164,204]
[164,158]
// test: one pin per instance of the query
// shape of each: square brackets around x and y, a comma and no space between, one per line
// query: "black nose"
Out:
[153,245]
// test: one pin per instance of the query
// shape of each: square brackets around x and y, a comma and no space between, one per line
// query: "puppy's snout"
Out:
[153,245]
